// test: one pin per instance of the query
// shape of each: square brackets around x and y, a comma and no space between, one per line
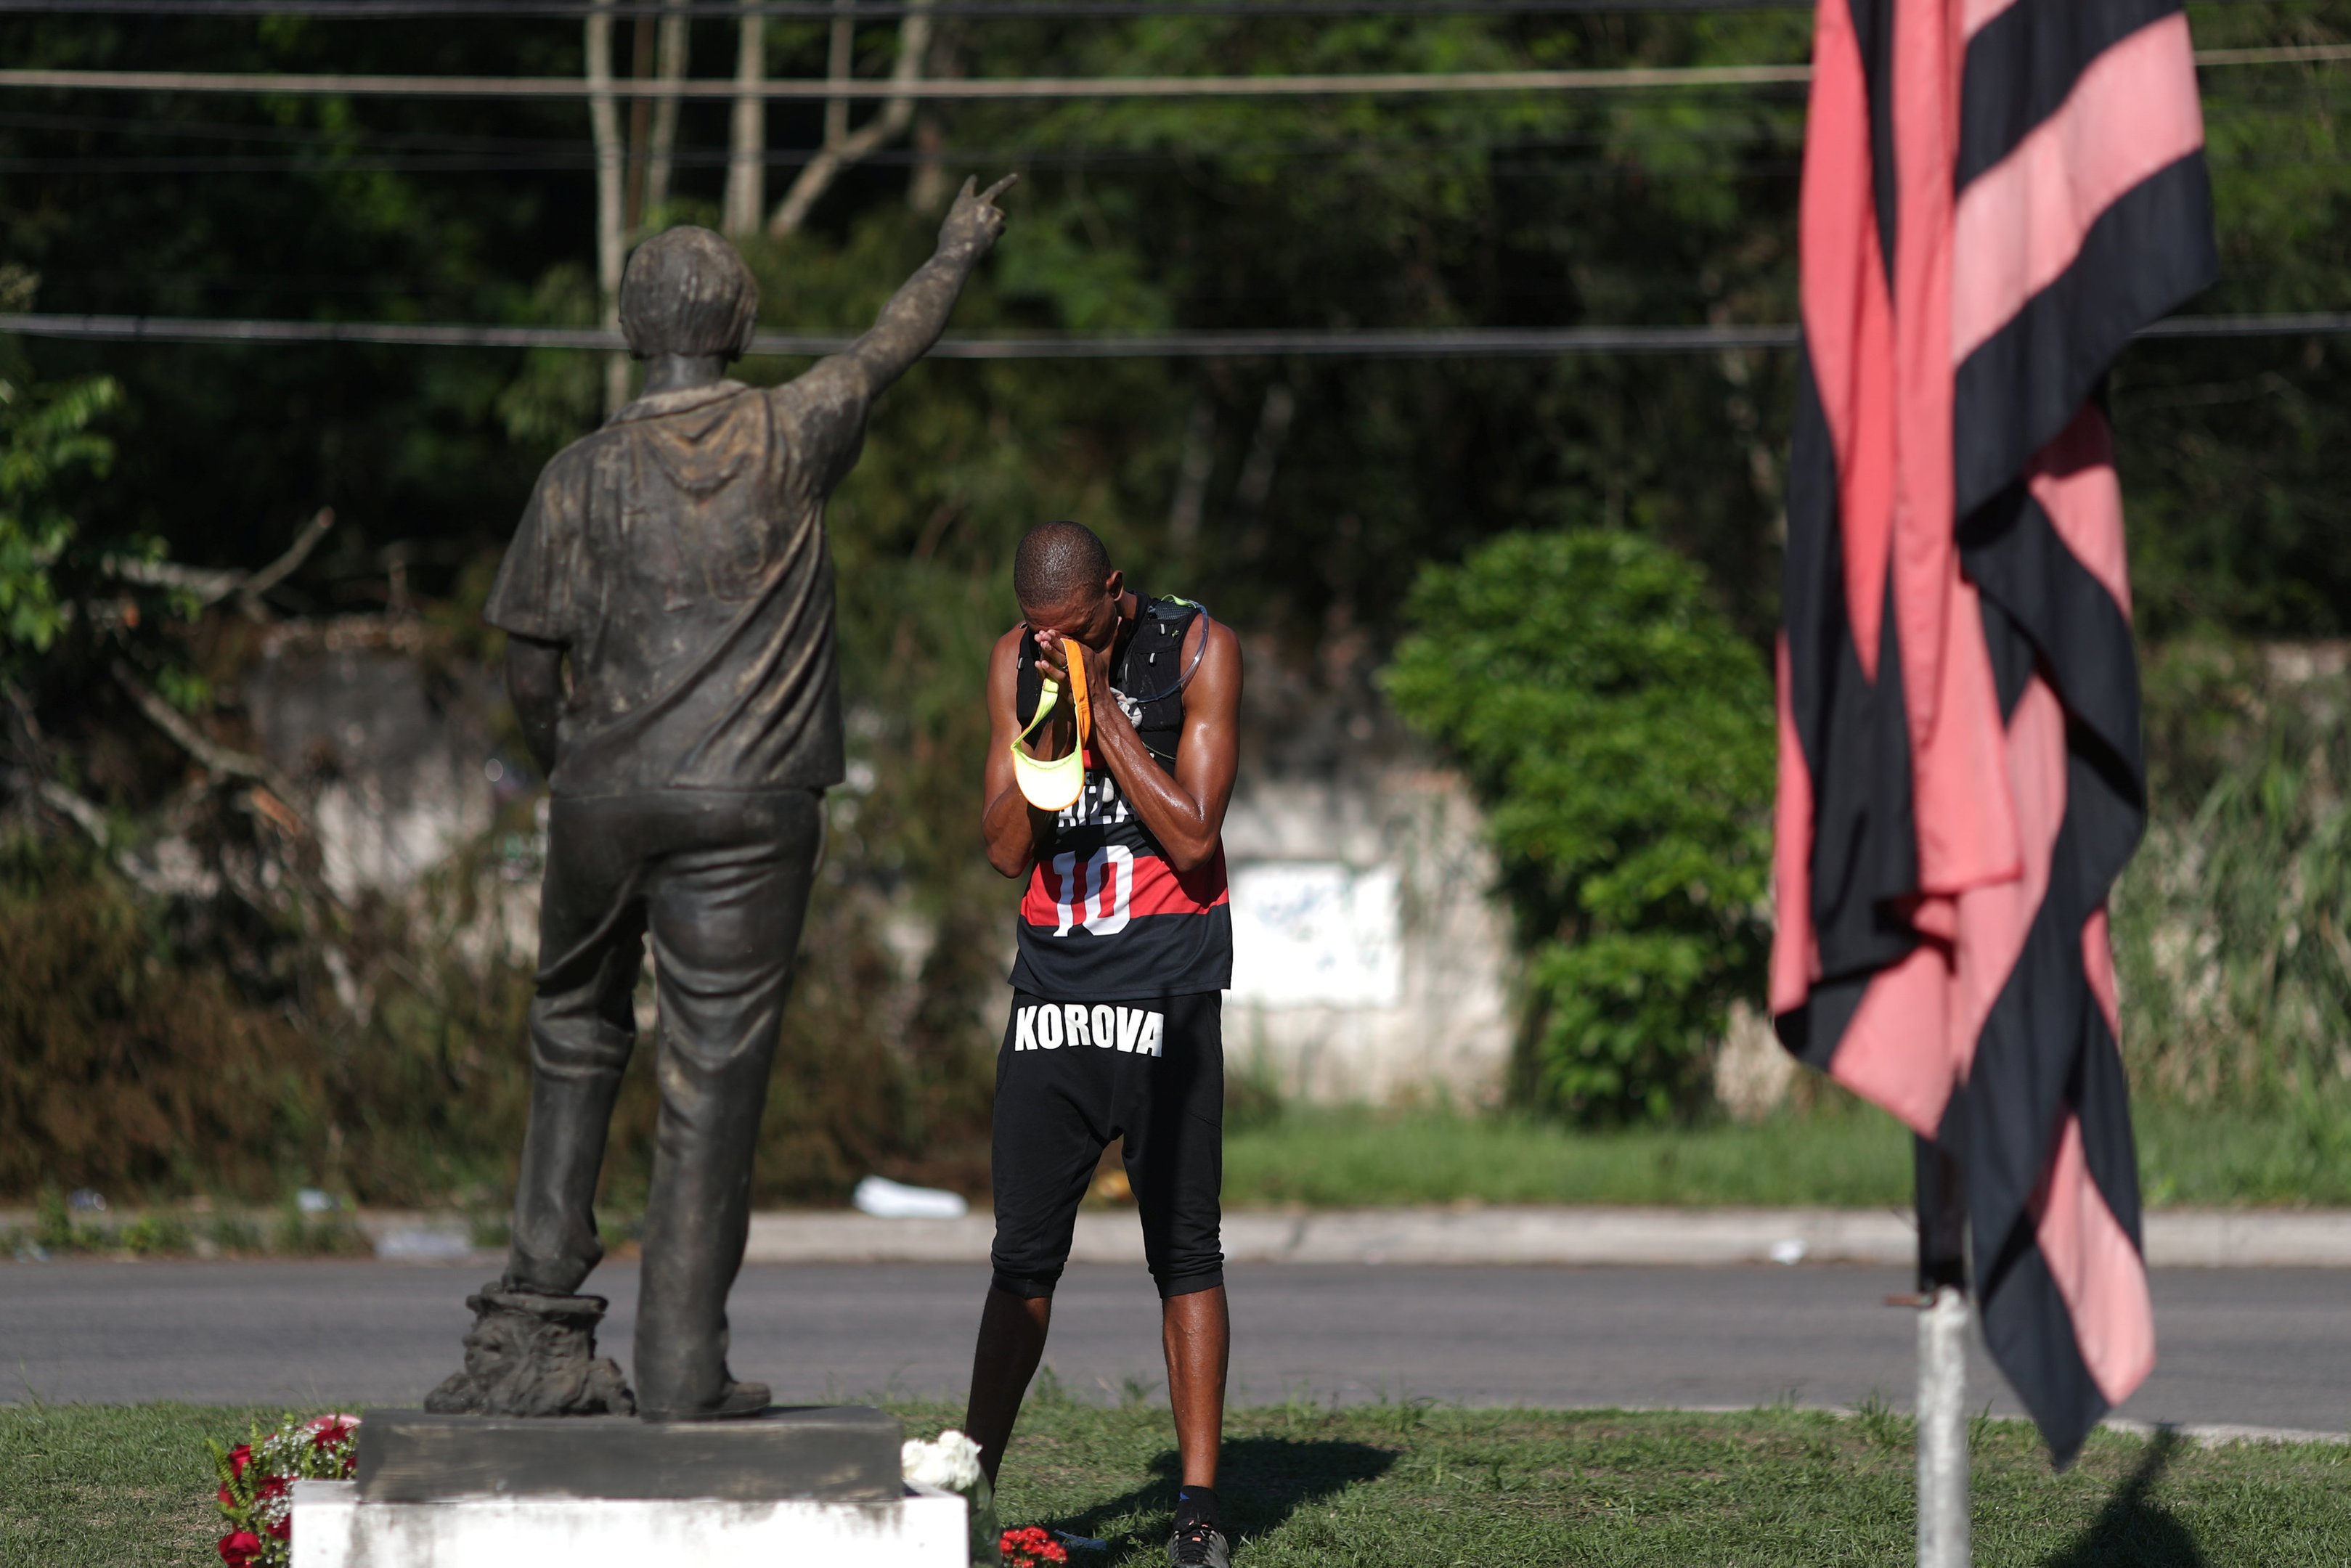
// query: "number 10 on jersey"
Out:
[1108,891]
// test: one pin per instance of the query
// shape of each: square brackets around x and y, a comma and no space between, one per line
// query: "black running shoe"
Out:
[1199,1546]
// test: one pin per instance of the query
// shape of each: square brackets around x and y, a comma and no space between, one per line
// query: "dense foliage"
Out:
[2231,928]
[1302,497]
[126,1071]
[1619,732]
[1487,210]
[45,437]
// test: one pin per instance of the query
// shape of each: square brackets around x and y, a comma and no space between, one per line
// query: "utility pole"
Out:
[745,189]
[1943,1323]
[604,120]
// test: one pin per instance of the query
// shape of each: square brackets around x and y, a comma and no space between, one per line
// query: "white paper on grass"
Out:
[1316,934]
[886,1199]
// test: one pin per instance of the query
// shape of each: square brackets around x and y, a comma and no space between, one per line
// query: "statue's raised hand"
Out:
[974,222]
[911,323]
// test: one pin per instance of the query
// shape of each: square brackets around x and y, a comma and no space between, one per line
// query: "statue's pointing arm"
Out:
[918,312]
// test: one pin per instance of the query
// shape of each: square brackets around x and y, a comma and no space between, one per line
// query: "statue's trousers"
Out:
[719,881]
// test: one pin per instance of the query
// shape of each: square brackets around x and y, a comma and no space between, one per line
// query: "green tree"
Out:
[1618,731]
[45,438]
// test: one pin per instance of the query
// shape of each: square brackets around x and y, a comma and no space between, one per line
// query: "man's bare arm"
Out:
[535,683]
[1012,827]
[911,323]
[1185,813]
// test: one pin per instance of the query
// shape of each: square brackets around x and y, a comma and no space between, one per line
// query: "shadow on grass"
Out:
[1261,1483]
[2131,1531]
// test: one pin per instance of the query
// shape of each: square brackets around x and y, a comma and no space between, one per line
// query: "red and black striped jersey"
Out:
[1107,917]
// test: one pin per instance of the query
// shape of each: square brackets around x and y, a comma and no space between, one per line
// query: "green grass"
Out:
[1381,1486]
[1842,1154]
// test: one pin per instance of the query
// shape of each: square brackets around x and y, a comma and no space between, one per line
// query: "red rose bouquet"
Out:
[1033,1548]
[256,1484]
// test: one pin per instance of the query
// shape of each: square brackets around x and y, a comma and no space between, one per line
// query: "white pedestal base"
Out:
[333,1528]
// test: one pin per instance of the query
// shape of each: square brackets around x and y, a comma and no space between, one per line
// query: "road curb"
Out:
[1557,1236]
[2180,1238]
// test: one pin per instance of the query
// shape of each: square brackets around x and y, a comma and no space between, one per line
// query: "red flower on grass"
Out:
[1032,1547]
[242,1550]
[238,1458]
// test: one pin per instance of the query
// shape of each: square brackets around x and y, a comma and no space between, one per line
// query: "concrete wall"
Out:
[397,752]
[1370,965]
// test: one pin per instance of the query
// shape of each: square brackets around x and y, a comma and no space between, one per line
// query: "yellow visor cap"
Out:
[1055,785]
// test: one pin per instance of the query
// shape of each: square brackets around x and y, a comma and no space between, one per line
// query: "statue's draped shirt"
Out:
[678,555]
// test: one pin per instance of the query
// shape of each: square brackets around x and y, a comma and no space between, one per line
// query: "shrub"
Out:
[133,1065]
[2230,926]
[122,1070]
[1619,734]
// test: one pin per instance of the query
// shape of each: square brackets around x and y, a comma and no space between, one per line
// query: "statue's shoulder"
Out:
[566,475]
[830,389]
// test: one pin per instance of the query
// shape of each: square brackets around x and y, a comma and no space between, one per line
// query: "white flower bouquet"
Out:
[950,1462]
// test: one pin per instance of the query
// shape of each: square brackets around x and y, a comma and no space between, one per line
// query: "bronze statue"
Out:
[675,561]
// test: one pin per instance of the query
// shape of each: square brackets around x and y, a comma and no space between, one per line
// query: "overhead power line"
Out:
[341,148]
[2287,324]
[2276,55]
[1502,160]
[1472,342]
[1335,84]
[1322,84]
[892,10]
[1194,344]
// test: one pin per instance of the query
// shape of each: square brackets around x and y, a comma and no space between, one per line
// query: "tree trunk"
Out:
[1193,471]
[928,187]
[841,60]
[604,120]
[847,149]
[674,35]
[745,188]
[641,121]
[1265,449]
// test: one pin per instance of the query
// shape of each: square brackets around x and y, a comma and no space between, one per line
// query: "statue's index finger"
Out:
[996,190]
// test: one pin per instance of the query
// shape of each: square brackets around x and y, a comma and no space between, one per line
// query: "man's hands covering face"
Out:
[1053,662]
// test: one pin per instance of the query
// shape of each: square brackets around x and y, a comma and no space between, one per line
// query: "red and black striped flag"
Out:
[1997,194]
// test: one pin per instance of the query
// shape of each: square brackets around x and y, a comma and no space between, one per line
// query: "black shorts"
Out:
[1072,1077]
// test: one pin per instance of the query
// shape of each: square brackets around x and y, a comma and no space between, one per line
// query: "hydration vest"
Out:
[1105,916]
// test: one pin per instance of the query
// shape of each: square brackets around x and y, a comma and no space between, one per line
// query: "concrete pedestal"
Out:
[333,1528]
[791,1487]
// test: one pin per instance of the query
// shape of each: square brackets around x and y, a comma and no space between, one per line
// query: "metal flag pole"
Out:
[1943,1320]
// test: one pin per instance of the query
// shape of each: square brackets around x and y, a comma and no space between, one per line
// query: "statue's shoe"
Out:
[737,1401]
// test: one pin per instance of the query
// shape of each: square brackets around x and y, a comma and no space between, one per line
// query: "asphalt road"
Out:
[2268,1347]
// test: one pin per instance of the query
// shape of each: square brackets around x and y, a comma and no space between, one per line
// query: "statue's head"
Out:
[687,292]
